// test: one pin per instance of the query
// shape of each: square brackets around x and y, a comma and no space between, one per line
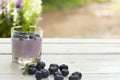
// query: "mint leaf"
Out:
[25,69]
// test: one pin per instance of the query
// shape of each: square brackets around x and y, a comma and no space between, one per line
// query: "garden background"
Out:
[81,18]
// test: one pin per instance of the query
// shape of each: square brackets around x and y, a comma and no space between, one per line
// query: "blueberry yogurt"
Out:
[26,46]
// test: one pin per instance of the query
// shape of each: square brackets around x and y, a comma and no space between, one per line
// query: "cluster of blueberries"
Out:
[59,72]
[23,36]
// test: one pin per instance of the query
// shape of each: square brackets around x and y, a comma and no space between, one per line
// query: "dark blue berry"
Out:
[77,73]
[45,73]
[65,72]
[22,37]
[57,73]
[32,36]
[74,77]
[32,65]
[52,65]
[16,35]
[37,35]
[38,75]
[22,33]
[52,70]
[32,71]
[40,65]
[63,66]
[58,77]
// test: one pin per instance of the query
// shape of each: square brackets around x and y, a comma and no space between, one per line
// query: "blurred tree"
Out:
[49,5]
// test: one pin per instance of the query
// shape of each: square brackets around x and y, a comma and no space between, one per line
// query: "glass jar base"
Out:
[24,61]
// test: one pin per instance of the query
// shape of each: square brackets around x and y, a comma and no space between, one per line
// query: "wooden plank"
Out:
[72,48]
[85,77]
[69,46]
[70,40]
[95,67]
[102,64]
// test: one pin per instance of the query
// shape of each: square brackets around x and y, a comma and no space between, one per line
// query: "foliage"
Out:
[49,5]
[18,13]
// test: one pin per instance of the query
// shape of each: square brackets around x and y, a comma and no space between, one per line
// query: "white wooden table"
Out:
[96,59]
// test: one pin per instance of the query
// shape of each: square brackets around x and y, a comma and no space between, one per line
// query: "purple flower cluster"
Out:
[1,4]
[19,4]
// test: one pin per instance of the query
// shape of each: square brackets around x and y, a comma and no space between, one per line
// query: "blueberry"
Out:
[22,37]
[32,71]
[22,33]
[77,73]
[63,66]
[52,70]
[32,36]
[16,35]
[45,73]
[37,35]
[52,65]
[57,73]
[58,77]
[38,75]
[74,77]
[65,72]
[32,65]
[40,65]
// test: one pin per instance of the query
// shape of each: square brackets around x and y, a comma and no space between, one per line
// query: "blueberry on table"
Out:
[63,66]
[40,65]
[38,75]
[77,73]
[45,73]
[74,77]
[52,70]
[52,65]
[58,77]
[65,72]
[57,73]
[32,71]
[32,66]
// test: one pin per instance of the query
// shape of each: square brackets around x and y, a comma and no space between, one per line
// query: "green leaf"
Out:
[25,69]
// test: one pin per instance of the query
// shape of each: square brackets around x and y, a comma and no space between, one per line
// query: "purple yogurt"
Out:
[27,48]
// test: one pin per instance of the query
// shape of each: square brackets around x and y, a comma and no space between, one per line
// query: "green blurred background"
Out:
[53,5]
[50,5]
[81,18]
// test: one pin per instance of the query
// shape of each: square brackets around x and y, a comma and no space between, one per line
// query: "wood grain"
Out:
[93,67]
[96,59]
[69,46]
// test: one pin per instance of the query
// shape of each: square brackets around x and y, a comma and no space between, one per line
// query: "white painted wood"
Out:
[85,77]
[73,52]
[100,64]
[93,67]
[71,48]
[68,46]
[70,40]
